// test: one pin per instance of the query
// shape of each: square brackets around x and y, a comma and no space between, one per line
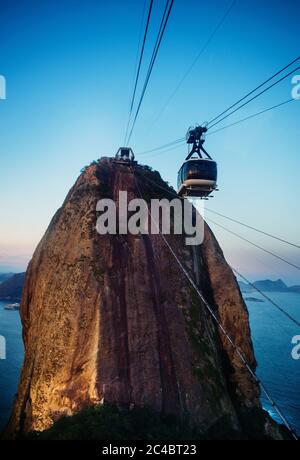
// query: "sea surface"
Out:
[10,329]
[272,334]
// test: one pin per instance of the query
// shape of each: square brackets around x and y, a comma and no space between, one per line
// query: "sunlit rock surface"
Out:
[113,319]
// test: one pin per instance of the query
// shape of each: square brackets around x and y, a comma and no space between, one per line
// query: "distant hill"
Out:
[12,287]
[5,276]
[271,286]
[268,286]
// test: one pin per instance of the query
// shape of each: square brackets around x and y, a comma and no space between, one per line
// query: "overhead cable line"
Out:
[160,35]
[243,105]
[202,50]
[266,297]
[174,147]
[251,116]
[169,144]
[254,244]
[182,139]
[172,192]
[254,97]
[221,327]
[255,89]
[139,68]
[253,228]
[140,37]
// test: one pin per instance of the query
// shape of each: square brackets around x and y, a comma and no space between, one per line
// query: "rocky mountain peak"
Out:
[112,319]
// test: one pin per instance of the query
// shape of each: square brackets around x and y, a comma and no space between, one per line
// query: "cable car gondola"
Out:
[197,176]
[125,156]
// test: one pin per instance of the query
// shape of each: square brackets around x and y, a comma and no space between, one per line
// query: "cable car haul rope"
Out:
[224,114]
[208,307]
[271,301]
[197,177]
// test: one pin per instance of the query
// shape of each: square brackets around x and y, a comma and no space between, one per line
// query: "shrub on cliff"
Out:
[110,422]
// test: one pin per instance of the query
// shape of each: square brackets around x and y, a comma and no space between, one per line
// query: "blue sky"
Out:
[69,67]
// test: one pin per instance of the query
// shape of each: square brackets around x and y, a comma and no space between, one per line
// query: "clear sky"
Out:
[69,67]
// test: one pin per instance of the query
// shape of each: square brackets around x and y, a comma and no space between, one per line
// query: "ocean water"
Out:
[10,329]
[272,333]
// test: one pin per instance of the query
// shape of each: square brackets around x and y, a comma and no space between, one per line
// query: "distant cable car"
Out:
[197,176]
[125,156]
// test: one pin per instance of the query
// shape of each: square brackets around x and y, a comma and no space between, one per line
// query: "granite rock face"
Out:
[113,319]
